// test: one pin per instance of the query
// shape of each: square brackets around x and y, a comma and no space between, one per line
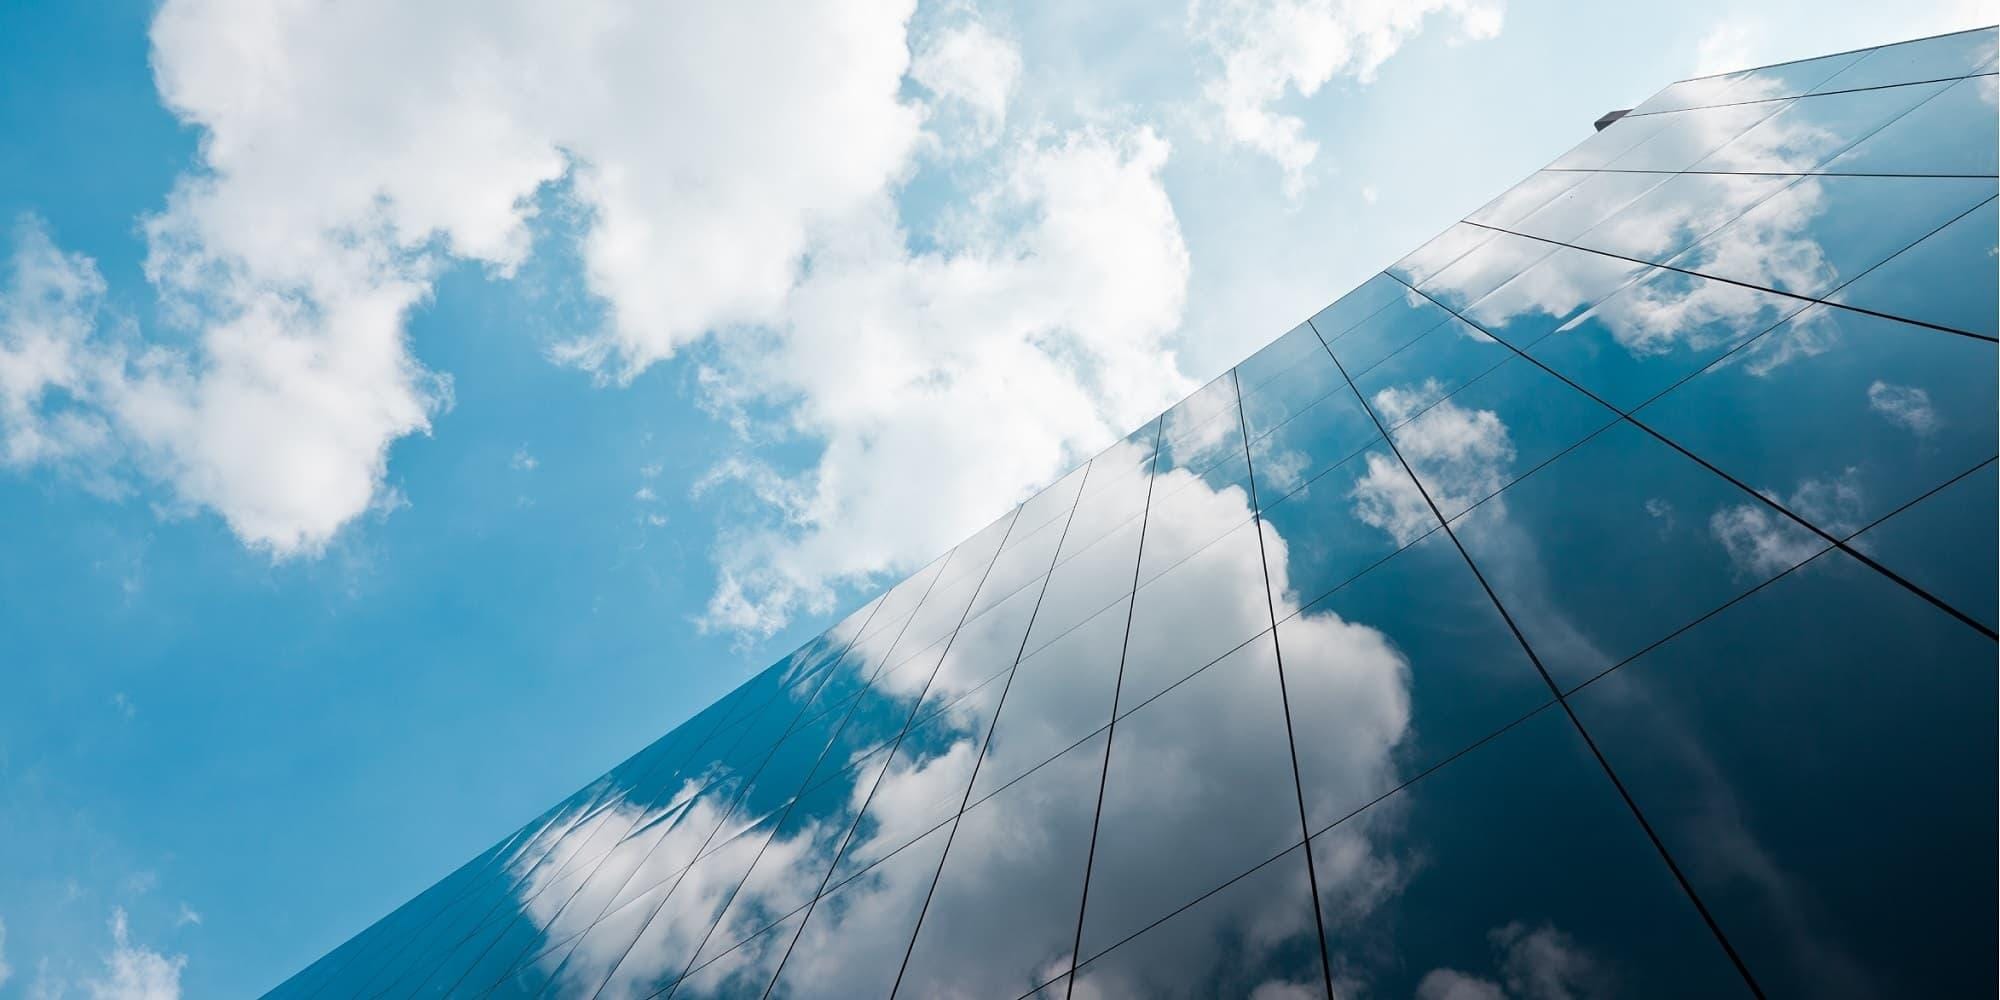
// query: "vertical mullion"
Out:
[1284,692]
[1111,730]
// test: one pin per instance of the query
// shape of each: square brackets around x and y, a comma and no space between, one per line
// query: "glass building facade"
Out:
[1598,602]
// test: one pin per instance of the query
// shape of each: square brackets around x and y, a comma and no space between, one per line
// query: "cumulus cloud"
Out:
[134,972]
[330,194]
[1268,49]
[901,361]
[331,190]
[970,68]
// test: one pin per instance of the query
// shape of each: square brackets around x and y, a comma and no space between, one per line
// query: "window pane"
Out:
[1819,758]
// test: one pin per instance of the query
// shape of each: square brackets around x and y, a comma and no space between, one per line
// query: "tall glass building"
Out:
[1598,602]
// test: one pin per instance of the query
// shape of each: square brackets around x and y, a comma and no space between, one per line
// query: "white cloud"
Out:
[1268,49]
[6,971]
[912,367]
[188,915]
[1906,406]
[522,460]
[134,972]
[49,362]
[974,67]
[350,153]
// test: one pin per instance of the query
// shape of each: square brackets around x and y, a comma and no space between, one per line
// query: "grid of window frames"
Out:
[1600,601]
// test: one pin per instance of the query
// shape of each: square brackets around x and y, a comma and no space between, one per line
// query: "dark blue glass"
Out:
[1936,544]
[1929,282]
[1332,528]
[1349,310]
[1616,544]
[1818,759]
[1398,323]
[1840,416]
[1470,445]
[1513,871]
[1327,432]
[1650,335]
[1432,367]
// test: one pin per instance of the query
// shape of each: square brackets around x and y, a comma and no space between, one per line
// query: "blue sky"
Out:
[409,410]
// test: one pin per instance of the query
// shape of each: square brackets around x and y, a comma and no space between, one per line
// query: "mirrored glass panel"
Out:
[1938,58]
[1759,744]
[1937,543]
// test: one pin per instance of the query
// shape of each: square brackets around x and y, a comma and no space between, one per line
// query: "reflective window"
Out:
[1823,231]
[1002,919]
[1056,698]
[1394,673]
[1696,93]
[1840,416]
[1199,788]
[1928,543]
[1761,744]
[1952,133]
[854,939]
[1650,335]
[1810,130]
[1937,58]
[1924,283]
[1514,871]
[1584,204]
[1620,542]
[1683,138]
[1254,937]
[1671,217]
[1788,79]
[1471,444]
